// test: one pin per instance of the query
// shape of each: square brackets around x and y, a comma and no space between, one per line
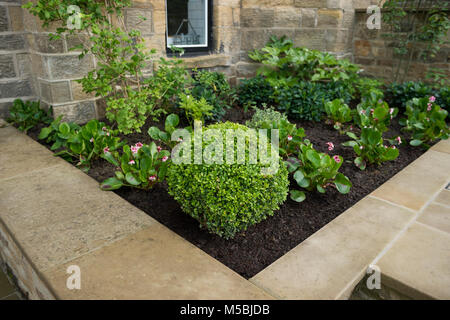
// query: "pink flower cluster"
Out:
[330,146]
[136,147]
[337,159]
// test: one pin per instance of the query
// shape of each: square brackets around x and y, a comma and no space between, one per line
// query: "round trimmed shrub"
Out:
[227,199]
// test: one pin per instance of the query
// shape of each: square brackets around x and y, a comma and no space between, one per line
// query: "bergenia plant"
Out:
[88,143]
[140,166]
[314,170]
[164,137]
[426,121]
[290,136]
[58,133]
[374,114]
[370,148]
[338,113]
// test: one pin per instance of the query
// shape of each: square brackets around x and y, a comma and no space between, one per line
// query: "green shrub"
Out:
[255,91]
[265,116]
[215,89]
[306,100]
[426,121]
[195,109]
[27,114]
[401,93]
[368,87]
[227,199]
[285,65]
[443,98]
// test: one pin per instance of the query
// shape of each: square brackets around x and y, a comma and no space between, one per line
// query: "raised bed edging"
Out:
[128,255]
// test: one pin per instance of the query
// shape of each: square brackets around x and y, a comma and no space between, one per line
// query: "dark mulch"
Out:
[262,244]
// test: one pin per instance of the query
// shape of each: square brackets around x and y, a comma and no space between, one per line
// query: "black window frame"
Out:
[197,50]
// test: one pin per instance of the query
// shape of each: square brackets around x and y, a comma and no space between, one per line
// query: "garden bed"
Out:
[263,243]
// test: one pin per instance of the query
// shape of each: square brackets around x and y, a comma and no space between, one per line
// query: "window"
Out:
[188,24]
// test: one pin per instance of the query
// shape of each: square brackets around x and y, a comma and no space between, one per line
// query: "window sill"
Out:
[207,61]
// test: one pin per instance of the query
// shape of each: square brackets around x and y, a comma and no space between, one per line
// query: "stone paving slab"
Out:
[416,184]
[442,146]
[443,198]
[20,154]
[58,213]
[154,263]
[437,216]
[418,263]
[330,263]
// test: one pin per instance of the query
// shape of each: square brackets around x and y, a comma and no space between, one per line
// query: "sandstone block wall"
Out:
[15,64]
[375,53]
[33,67]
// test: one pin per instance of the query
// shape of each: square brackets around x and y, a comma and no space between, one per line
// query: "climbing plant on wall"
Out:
[121,57]
[417,29]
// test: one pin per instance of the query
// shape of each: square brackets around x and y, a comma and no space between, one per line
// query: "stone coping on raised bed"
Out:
[402,228]
[53,216]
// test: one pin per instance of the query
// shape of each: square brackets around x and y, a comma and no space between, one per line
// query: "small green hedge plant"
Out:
[27,114]
[227,198]
[313,170]
[370,148]
[426,121]
[265,115]
[141,166]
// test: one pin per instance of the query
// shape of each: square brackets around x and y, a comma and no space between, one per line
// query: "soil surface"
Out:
[250,252]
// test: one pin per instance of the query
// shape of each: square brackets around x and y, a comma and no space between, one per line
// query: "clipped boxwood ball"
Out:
[224,198]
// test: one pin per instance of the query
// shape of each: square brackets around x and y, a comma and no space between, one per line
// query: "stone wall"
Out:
[35,67]
[15,63]
[27,279]
[375,53]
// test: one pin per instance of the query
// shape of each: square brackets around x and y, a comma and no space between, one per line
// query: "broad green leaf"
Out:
[154,133]
[111,184]
[314,157]
[131,179]
[298,196]
[342,183]
[44,133]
